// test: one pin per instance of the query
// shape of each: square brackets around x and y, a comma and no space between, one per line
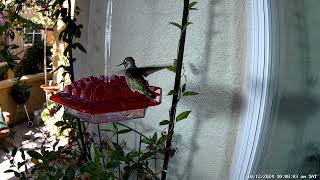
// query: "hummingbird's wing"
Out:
[135,79]
[136,82]
[145,71]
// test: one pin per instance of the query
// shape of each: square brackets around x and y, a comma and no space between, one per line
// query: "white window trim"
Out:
[260,90]
[33,33]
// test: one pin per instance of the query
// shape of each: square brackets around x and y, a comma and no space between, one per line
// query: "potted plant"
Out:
[32,61]
[20,92]
[3,72]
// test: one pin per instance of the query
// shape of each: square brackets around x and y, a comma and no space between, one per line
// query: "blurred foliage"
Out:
[32,61]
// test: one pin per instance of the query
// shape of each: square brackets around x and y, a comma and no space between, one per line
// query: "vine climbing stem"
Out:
[70,43]
[177,82]
[70,56]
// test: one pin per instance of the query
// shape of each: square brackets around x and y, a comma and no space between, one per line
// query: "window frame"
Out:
[260,88]
[33,33]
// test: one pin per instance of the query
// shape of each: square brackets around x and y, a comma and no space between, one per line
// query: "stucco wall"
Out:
[214,61]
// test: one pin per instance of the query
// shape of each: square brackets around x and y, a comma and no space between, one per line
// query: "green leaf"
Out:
[108,130]
[56,143]
[172,93]
[81,47]
[9,171]
[36,138]
[89,167]
[182,116]
[115,126]
[67,50]
[23,176]
[23,156]
[184,87]
[154,137]
[176,24]
[126,175]
[190,93]
[93,152]
[193,9]
[173,67]
[123,131]
[192,4]
[34,154]
[16,174]
[21,164]
[146,155]
[161,140]
[34,160]
[110,176]
[113,164]
[59,123]
[69,173]
[186,25]
[146,141]
[118,149]
[14,151]
[164,122]
[133,154]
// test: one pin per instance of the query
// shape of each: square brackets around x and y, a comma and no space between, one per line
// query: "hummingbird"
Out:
[135,76]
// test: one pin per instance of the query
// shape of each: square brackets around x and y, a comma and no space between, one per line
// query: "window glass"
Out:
[32,36]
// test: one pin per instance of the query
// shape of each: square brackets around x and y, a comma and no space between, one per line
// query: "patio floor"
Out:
[26,138]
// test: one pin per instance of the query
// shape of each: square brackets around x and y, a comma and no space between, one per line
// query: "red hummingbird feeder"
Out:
[99,100]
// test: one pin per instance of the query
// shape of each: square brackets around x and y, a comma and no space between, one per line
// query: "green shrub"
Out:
[32,62]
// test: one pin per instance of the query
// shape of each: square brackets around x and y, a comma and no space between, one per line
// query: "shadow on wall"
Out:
[206,106]
[212,96]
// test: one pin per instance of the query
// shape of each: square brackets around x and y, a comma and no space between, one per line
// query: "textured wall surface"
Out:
[214,65]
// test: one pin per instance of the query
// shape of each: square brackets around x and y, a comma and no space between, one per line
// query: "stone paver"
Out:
[25,137]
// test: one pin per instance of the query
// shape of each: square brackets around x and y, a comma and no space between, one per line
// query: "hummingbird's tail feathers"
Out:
[151,69]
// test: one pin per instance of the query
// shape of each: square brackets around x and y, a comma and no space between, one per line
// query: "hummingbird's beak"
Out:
[120,64]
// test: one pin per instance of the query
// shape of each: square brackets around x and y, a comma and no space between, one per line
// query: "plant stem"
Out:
[140,142]
[100,141]
[70,43]
[81,138]
[175,97]
[133,130]
[71,66]
[119,168]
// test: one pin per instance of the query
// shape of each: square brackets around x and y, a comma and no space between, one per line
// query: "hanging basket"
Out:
[96,100]
[20,92]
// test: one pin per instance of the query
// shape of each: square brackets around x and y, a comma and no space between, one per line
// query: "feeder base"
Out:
[108,117]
